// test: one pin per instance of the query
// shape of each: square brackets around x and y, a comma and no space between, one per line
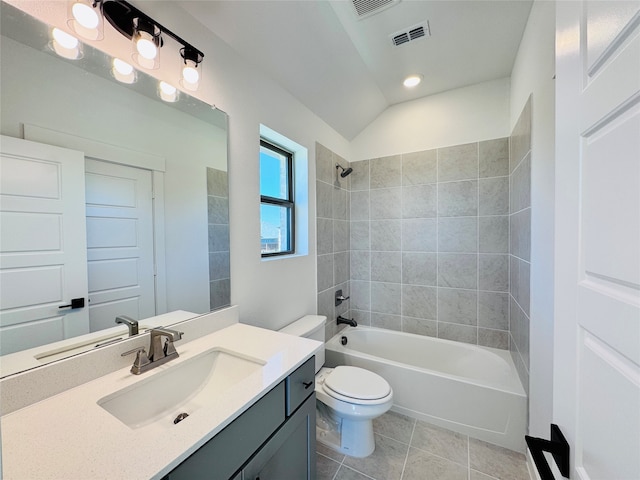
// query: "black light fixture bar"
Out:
[120,15]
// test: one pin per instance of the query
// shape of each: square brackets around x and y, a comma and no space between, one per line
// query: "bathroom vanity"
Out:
[248,395]
[274,439]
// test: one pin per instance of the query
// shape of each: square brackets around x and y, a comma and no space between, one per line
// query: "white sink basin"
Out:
[181,388]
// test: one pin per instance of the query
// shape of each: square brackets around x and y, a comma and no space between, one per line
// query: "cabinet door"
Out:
[225,453]
[300,384]
[291,452]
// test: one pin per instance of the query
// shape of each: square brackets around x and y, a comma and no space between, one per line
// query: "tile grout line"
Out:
[468,458]
[430,453]
[400,246]
[478,248]
[339,467]
[437,335]
[406,458]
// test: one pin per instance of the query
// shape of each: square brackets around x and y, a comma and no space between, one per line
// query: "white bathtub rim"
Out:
[516,388]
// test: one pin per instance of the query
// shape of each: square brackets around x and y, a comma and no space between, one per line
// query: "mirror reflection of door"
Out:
[43,254]
[119,219]
[51,253]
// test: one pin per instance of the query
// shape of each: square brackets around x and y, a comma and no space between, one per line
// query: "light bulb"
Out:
[122,67]
[123,72]
[166,88]
[146,48]
[190,74]
[85,15]
[412,81]
[167,92]
[64,39]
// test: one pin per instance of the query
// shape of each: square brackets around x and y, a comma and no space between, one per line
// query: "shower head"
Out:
[345,171]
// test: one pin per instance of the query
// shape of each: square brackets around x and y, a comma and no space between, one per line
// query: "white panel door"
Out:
[119,242]
[597,335]
[42,244]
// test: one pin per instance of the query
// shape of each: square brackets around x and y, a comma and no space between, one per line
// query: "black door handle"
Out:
[557,446]
[307,384]
[75,303]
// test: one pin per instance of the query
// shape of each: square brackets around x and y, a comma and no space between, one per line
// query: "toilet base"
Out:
[354,438]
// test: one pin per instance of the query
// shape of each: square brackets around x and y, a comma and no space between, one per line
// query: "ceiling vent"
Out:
[366,8]
[410,34]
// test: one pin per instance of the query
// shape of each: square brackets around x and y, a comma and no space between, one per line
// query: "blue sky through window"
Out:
[273,183]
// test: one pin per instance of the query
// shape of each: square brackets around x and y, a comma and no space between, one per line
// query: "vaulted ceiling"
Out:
[346,68]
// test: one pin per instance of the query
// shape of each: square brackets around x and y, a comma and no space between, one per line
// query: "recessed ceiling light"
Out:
[412,81]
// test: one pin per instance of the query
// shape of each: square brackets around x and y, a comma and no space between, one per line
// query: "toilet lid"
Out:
[357,383]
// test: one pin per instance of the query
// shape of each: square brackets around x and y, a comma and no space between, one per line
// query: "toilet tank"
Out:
[309,326]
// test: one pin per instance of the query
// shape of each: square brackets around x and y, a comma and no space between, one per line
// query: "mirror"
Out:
[179,150]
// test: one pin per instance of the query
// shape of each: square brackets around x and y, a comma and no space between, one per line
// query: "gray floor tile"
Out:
[422,465]
[346,473]
[327,452]
[394,425]
[435,454]
[439,441]
[385,463]
[480,476]
[496,461]
[326,468]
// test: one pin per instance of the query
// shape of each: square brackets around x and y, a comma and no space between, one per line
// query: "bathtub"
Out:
[469,389]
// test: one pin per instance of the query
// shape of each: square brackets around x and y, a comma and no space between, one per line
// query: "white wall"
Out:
[464,115]
[533,73]
[275,292]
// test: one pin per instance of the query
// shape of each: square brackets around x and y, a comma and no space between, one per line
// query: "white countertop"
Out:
[38,356]
[69,436]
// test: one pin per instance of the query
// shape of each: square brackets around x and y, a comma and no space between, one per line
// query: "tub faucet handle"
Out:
[340,297]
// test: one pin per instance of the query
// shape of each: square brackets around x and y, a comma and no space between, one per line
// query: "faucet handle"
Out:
[340,297]
[172,335]
[141,359]
[169,347]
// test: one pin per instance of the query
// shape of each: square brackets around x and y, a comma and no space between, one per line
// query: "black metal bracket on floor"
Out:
[557,446]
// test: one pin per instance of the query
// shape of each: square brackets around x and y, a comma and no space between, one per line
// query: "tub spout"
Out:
[351,322]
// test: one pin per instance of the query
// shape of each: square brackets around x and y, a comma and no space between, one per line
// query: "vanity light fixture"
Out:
[85,18]
[167,92]
[146,43]
[190,73]
[148,37]
[65,45]
[123,71]
[412,81]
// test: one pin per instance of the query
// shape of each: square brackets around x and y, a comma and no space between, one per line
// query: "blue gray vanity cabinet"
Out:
[273,440]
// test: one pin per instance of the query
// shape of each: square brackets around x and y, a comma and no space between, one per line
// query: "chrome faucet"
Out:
[129,322]
[158,353]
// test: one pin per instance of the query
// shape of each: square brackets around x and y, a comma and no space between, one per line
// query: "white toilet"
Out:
[348,398]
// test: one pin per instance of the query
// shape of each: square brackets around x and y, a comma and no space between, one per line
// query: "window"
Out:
[277,209]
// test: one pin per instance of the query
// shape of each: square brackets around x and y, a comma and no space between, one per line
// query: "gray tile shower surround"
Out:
[218,213]
[333,233]
[407,449]
[429,242]
[520,242]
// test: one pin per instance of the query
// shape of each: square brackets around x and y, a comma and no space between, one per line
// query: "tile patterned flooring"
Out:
[407,449]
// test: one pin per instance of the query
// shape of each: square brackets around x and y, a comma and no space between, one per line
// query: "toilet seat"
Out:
[356,385]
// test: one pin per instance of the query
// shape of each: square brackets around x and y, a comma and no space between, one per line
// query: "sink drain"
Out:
[180,417]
